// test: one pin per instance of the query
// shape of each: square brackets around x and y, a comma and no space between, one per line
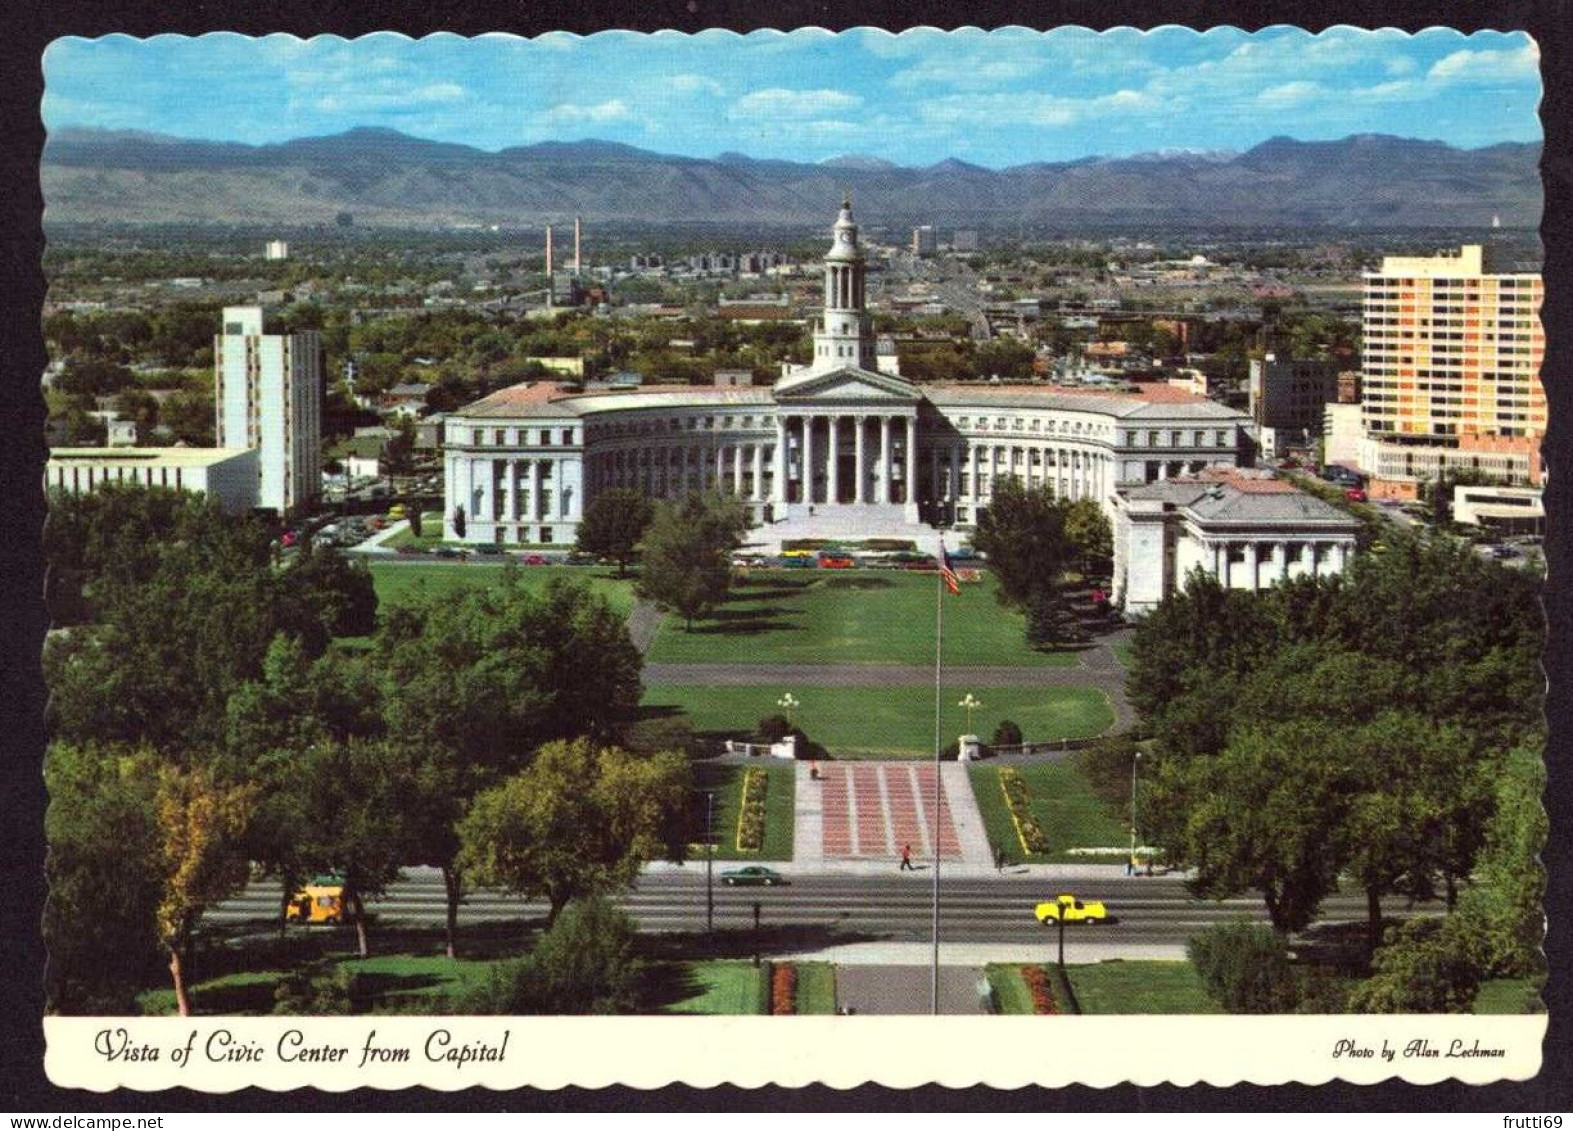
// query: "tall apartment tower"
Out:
[267,395]
[1451,353]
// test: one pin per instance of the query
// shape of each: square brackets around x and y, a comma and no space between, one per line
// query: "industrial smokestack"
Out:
[577,262]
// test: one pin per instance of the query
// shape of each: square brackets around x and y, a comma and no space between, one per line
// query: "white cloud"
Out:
[778,102]
[1487,66]
[695,84]
[1033,109]
[568,113]
[1289,94]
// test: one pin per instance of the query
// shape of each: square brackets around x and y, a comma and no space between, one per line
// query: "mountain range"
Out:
[383,177]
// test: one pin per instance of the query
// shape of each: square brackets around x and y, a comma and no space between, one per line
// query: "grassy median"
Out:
[1071,815]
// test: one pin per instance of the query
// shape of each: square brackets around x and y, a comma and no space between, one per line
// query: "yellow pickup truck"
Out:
[1072,910]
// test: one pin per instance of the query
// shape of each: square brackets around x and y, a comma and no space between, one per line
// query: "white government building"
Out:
[841,446]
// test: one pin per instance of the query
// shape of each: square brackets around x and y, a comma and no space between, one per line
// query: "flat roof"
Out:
[145,457]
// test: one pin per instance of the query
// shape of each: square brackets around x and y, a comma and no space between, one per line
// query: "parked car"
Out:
[836,561]
[407,549]
[578,558]
[1072,910]
[755,875]
[289,539]
[1355,495]
[446,552]
[488,548]
[535,560]
[398,512]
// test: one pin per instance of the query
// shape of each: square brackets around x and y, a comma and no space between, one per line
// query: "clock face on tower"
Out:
[843,237]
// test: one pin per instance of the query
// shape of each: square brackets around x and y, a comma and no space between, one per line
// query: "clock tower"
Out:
[844,337]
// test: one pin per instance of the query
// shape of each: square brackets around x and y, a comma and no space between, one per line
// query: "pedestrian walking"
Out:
[906,858]
[999,860]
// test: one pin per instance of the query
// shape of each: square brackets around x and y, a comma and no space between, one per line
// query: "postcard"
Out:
[980,556]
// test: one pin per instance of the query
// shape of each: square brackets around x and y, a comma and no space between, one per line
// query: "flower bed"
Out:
[783,990]
[1038,986]
[1018,799]
[751,813]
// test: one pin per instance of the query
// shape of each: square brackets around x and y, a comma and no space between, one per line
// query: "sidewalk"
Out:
[1078,951]
[950,869]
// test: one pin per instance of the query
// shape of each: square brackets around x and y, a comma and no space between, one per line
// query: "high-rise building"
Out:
[925,240]
[275,249]
[267,395]
[1290,393]
[1451,350]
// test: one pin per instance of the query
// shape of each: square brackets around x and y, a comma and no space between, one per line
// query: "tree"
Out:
[584,963]
[1505,903]
[458,522]
[340,591]
[188,416]
[99,924]
[686,565]
[349,804]
[1245,968]
[476,682]
[613,523]
[579,820]
[200,824]
[1090,536]
[1262,816]
[1022,533]
[399,452]
[1427,966]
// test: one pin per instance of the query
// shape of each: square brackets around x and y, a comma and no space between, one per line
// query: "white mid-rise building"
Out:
[228,476]
[268,395]
[276,249]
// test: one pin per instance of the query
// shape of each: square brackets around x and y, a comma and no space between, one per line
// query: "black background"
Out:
[27,26]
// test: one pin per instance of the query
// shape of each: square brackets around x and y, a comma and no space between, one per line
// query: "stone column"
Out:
[778,491]
[833,459]
[1281,549]
[1225,568]
[1253,566]
[737,470]
[912,462]
[884,461]
[808,458]
[1340,556]
[859,461]
[758,493]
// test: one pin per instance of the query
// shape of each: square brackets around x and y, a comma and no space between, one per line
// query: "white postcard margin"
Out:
[223,1054]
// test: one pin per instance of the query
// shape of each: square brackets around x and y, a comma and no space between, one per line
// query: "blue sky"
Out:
[994,98]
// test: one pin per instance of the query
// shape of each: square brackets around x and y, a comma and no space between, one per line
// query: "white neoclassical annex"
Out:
[1247,529]
[841,446]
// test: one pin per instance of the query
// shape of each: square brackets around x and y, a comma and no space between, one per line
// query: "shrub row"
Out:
[751,815]
[783,990]
[1018,799]
[1038,986]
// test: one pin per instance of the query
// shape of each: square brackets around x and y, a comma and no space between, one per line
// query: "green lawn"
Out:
[727,781]
[816,988]
[390,981]
[887,720]
[394,579]
[1121,986]
[722,988]
[1509,995]
[860,617]
[1010,990]
[1071,815]
[1123,651]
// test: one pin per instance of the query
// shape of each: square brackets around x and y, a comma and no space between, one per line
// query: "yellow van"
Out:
[320,901]
[398,511]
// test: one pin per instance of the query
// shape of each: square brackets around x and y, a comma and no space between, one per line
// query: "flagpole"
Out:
[939,637]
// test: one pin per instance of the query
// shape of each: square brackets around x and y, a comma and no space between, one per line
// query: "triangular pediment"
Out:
[848,383]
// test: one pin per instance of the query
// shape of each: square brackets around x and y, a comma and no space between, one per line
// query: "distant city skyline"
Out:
[999,98]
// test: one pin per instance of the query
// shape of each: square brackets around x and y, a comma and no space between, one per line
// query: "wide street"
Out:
[1149,915]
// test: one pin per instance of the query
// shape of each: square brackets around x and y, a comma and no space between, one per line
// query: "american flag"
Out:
[949,575]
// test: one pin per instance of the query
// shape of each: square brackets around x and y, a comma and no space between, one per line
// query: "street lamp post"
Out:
[709,863]
[969,704]
[788,704]
[1135,761]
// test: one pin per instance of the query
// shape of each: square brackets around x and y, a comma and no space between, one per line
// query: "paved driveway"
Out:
[908,989]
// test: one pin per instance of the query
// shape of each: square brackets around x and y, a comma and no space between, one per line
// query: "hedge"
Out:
[1018,799]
